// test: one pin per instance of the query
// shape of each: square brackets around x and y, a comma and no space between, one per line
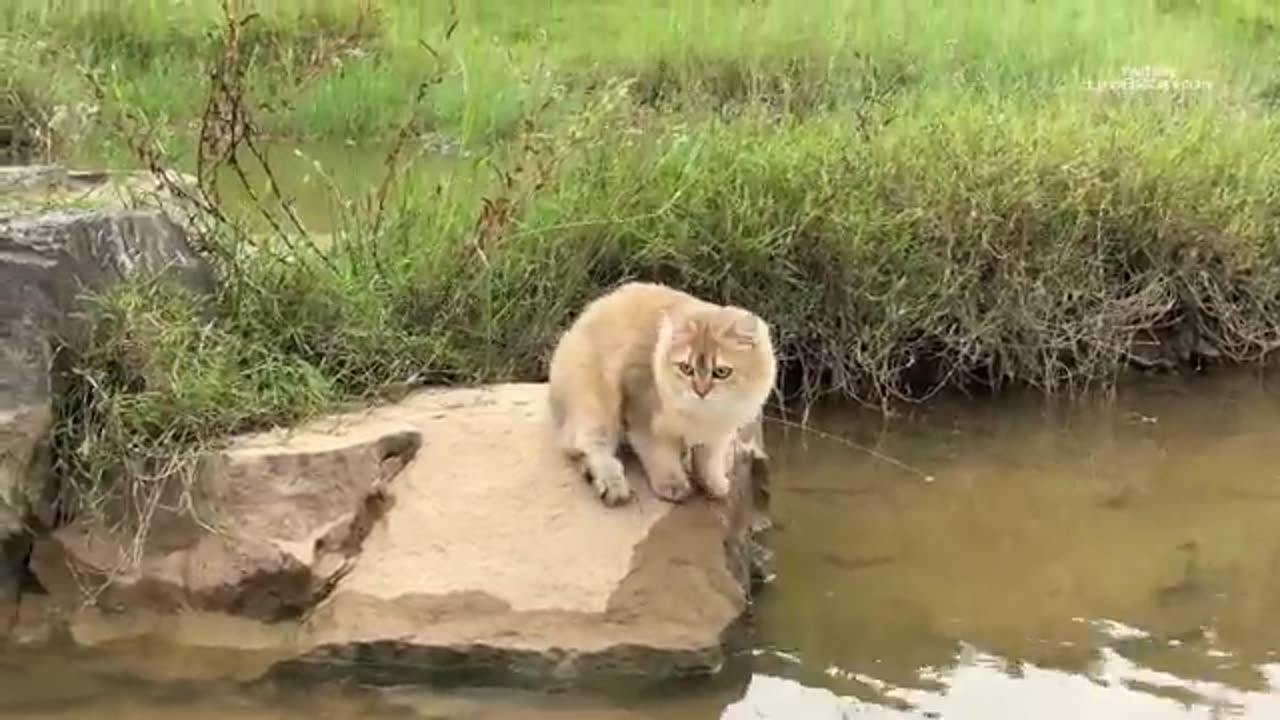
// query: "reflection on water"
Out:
[1089,561]
[1059,559]
[92,684]
[317,178]
[320,179]
[985,686]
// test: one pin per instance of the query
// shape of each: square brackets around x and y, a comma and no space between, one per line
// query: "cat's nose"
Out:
[701,389]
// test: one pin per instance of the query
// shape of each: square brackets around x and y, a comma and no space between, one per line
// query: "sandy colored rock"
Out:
[278,525]
[496,562]
[493,562]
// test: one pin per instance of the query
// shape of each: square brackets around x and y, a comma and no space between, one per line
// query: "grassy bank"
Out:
[917,195]
[343,70]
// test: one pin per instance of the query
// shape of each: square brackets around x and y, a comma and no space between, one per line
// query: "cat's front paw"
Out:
[610,483]
[713,470]
[672,486]
[717,485]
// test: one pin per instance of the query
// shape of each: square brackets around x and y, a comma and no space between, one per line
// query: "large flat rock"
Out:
[495,562]
[489,560]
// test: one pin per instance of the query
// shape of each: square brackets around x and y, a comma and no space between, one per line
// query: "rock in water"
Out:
[488,559]
[47,262]
[497,563]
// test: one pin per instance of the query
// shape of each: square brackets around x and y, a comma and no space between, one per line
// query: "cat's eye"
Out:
[722,372]
[684,368]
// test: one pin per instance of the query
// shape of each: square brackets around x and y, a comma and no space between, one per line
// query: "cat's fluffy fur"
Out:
[666,372]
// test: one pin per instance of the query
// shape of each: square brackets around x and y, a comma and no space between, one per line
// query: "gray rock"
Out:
[24,430]
[37,189]
[47,263]
[27,178]
[13,552]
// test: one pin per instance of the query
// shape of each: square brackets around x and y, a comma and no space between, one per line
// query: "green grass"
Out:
[917,194]
[510,60]
[1031,248]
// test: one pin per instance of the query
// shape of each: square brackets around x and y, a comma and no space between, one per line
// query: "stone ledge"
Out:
[498,565]
[494,563]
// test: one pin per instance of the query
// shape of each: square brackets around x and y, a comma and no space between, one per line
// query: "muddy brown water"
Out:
[1108,560]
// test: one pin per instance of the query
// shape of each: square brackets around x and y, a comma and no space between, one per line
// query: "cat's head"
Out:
[709,356]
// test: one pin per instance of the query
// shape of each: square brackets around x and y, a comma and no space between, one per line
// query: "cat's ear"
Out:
[676,328]
[745,329]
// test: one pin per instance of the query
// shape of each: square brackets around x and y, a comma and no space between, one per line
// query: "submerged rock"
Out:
[47,263]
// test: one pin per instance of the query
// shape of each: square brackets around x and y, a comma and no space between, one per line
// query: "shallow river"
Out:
[1102,561]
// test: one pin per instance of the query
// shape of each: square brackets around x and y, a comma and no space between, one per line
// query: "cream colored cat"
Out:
[667,372]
